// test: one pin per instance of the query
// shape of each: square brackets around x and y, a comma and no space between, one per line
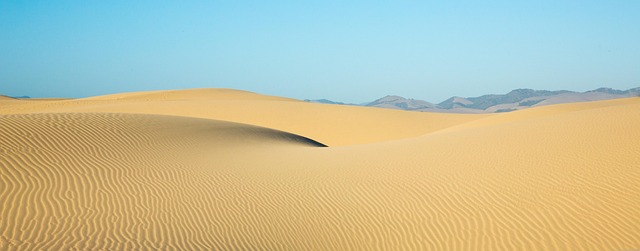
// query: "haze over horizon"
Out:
[350,52]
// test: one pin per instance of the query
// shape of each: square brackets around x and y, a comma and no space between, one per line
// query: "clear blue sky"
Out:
[353,52]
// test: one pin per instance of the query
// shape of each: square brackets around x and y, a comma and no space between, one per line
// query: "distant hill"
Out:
[514,100]
[325,101]
[396,102]
[486,101]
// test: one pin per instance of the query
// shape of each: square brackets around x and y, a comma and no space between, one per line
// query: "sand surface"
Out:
[221,169]
[334,125]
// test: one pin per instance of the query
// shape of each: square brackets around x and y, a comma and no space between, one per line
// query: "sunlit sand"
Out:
[219,169]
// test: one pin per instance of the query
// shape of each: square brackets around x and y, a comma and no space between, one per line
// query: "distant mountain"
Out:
[325,101]
[486,101]
[514,100]
[397,102]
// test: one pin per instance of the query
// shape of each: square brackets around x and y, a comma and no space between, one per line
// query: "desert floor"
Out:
[221,169]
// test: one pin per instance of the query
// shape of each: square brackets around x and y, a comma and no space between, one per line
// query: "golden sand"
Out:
[177,170]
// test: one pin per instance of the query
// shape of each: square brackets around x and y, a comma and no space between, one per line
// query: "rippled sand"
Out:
[226,169]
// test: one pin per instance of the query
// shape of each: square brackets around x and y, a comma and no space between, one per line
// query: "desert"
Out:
[222,169]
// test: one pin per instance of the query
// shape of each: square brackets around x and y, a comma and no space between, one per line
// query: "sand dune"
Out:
[530,114]
[104,181]
[6,100]
[334,125]
[190,95]
[562,177]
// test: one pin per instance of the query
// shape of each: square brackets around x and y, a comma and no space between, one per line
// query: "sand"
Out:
[224,169]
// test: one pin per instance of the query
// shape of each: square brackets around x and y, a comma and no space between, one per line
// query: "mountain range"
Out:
[514,100]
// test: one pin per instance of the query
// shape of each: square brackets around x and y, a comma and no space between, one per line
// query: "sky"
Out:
[349,51]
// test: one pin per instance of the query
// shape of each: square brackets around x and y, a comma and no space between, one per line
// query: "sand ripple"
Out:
[566,179]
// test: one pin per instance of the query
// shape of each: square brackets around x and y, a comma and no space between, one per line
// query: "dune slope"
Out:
[548,178]
[110,181]
[334,125]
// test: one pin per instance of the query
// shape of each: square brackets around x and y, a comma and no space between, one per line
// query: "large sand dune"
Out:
[334,125]
[165,170]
